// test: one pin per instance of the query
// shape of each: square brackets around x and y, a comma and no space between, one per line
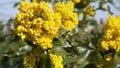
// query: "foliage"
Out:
[54,37]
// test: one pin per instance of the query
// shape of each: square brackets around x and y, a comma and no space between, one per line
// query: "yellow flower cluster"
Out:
[39,23]
[105,64]
[30,59]
[69,18]
[83,2]
[77,1]
[111,37]
[89,10]
[56,60]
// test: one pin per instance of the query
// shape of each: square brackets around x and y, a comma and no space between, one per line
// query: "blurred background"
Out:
[7,9]
[12,48]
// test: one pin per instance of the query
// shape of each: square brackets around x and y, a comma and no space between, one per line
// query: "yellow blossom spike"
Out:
[67,14]
[77,1]
[36,22]
[56,61]
[29,60]
[89,10]
[39,23]
[110,39]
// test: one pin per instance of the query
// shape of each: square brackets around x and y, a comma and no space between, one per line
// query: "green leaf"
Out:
[14,38]
[1,26]
[83,56]
[16,4]
[10,21]
[117,59]
[58,50]
[61,42]
[79,59]
[4,62]
[45,60]
[17,63]
[81,65]
[79,49]
[90,65]
[69,60]
[63,33]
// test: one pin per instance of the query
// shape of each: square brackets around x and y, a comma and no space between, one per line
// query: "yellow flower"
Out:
[104,45]
[56,60]
[111,37]
[38,23]
[108,58]
[83,2]
[77,1]
[45,43]
[66,11]
[89,10]
[29,60]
